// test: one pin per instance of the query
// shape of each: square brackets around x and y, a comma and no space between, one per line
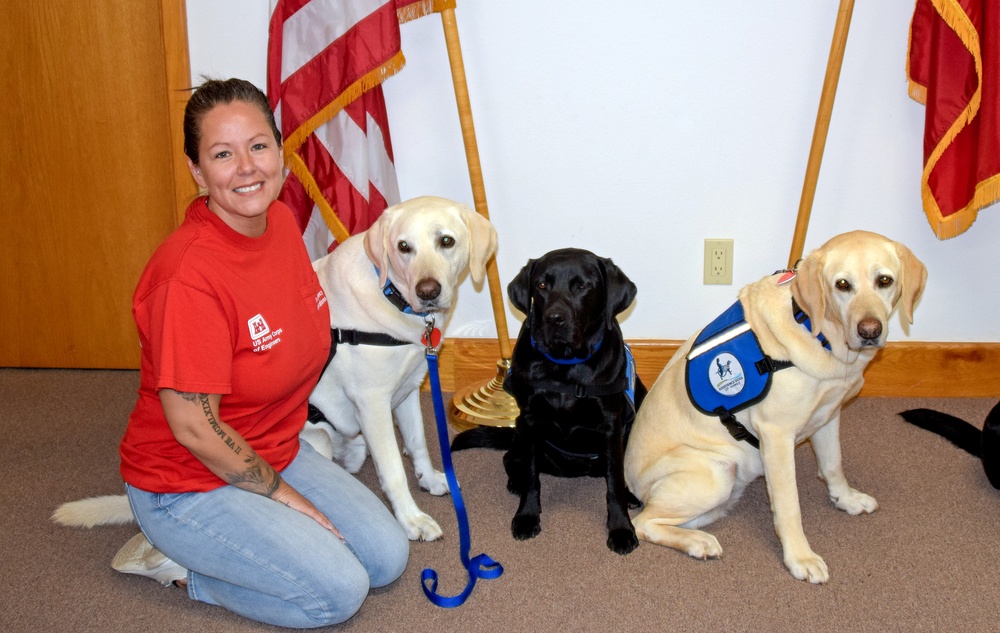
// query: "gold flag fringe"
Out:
[365,83]
[301,171]
[988,191]
[420,9]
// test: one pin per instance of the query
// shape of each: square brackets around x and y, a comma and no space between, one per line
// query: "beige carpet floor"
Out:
[927,560]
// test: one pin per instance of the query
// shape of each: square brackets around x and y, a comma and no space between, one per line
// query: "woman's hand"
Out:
[290,497]
[194,421]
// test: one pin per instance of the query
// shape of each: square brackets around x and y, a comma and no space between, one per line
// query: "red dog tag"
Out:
[787,276]
[435,337]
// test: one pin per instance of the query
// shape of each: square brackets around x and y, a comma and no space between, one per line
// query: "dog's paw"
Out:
[702,545]
[353,453]
[855,502]
[433,482]
[420,527]
[622,541]
[525,526]
[319,439]
[810,567]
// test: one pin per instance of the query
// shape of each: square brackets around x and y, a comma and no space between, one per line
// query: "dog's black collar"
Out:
[356,337]
[395,297]
[567,361]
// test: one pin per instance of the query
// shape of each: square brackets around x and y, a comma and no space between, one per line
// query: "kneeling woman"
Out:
[235,332]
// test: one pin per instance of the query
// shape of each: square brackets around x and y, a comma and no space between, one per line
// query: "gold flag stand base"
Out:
[485,405]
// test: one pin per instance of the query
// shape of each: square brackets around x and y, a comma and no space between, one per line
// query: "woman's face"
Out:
[240,164]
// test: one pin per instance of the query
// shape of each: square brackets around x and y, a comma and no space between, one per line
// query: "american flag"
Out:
[327,60]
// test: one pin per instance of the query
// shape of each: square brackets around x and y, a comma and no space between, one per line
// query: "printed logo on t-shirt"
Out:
[263,338]
[258,327]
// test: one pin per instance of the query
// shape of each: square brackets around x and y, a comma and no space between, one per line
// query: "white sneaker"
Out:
[138,556]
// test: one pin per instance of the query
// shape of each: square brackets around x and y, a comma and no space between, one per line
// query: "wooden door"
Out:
[91,172]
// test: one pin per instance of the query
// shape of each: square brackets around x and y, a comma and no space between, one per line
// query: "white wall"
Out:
[641,130]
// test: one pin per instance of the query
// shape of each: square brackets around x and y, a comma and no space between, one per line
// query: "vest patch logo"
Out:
[725,374]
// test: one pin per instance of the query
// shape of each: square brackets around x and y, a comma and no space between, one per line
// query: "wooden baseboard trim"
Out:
[902,369]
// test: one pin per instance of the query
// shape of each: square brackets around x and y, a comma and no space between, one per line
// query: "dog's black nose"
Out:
[870,328]
[555,318]
[428,289]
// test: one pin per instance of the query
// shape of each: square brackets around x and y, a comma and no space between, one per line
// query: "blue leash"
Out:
[481,566]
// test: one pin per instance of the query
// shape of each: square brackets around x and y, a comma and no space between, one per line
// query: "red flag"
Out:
[326,62]
[952,67]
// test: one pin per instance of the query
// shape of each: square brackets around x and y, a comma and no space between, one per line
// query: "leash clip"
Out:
[431,337]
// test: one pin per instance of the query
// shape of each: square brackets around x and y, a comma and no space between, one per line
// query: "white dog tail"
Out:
[106,510]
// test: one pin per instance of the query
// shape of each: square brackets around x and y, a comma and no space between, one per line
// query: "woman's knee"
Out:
[338,598]
[393,557]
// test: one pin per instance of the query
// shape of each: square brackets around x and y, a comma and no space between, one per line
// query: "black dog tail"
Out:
[959,432]
[991,446]
[495,437]
[984,444]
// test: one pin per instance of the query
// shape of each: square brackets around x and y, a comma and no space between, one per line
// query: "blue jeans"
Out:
[265,561]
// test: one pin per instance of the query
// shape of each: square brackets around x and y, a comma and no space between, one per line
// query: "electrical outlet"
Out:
[719,262]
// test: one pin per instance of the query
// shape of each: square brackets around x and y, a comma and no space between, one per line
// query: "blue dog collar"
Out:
[567,361]
[623,384]
[395,297]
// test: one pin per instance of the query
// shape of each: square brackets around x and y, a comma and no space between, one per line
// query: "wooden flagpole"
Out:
[822,127]
[488,404]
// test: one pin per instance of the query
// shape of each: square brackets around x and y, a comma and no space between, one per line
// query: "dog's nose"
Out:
[428,289]
[555,318]
[870,329]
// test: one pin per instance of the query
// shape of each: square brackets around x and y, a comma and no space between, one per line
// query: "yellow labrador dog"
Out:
[688,467]
[384,285]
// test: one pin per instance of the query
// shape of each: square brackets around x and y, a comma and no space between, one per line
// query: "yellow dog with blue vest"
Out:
[772,372]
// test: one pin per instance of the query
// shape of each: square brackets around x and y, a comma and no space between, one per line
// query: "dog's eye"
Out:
[842,285]
[885,281]
[446,241]
[403,247]
[540,285]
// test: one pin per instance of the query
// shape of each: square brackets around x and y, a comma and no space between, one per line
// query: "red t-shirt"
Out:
[219,312]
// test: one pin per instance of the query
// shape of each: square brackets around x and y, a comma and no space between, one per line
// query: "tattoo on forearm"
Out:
[258,477]
[206,408]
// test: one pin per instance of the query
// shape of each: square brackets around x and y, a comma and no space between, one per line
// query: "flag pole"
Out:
[822,127]
[488,404]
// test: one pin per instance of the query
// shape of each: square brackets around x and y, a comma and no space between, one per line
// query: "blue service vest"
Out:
[727,371]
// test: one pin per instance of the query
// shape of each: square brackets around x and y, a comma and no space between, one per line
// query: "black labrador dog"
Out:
[575,384]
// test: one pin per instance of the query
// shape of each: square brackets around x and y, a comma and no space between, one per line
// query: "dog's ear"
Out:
[913,281]
[808,289]
[519,289]
[376,247]
[483,238]
[620,290]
